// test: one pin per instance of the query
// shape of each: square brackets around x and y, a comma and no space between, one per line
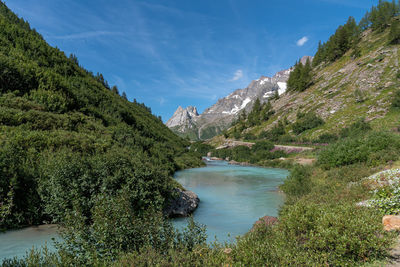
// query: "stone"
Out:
[391,222]
[183,205]
[264,222]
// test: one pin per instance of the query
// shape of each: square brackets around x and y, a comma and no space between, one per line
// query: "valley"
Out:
[302,167]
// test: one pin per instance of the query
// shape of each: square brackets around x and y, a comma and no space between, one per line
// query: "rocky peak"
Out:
[220,115]
[303,60]
[183,118]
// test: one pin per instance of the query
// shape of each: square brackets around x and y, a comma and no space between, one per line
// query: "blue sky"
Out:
[186,52]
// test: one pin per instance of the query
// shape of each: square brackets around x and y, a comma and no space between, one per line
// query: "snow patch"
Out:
[236,109]
[245,102]
[268,94]
[233,96]
[265,80]
[282,87]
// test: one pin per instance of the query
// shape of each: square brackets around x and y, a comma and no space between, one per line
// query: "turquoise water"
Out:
[17,243]
[232,198]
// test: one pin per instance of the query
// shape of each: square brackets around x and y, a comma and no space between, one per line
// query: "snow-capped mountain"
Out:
[220,115]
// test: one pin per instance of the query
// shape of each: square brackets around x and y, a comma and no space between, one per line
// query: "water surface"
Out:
[16,243]
[232,197]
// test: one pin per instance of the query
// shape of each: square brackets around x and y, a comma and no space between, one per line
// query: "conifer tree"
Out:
[394,34]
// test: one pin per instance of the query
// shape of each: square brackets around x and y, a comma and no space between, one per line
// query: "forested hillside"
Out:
[69,143]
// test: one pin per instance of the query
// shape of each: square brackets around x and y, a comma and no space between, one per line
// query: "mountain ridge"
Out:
[218,117]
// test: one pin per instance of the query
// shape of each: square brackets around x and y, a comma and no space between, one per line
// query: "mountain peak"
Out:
[220,115]
[183,118]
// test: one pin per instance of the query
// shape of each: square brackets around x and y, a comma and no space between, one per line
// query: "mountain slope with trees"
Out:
[353,76]
[352,102]
[69,142]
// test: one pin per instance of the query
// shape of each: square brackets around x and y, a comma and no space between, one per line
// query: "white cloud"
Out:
[302,41]
[237,76]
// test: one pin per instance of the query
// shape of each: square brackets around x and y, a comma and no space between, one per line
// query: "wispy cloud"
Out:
[237,76]
[85,35]
[302,41]
[161,100]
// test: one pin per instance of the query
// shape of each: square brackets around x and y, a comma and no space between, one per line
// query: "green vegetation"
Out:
[374,149]
[394,34]
[301,76]
[319,225]
[74,152]
[345,37]
[306,122]
[260,151]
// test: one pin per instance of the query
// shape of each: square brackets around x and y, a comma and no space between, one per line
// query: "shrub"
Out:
[262,146]
[326,138]
[249,137]
[311,234]
[307,121]
[274,134]
[298,183]
[360,127]
[396,100]
[374,148]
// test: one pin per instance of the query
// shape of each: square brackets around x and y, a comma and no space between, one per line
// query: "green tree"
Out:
[394,34]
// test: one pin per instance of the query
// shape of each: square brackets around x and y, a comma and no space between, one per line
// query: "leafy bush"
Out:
[396,100]
[306,121]
[311,234]
[298,183]
[387,200]
[262,146]
[360,127]
[249,137]
[275,133]
[326,138]
[374,148]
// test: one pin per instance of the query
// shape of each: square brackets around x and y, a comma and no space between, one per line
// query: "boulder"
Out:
[264,222]
[183,205]
[391,222]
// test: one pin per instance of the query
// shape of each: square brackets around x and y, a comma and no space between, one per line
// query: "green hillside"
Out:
[357,78]
[76,153]
[67,139]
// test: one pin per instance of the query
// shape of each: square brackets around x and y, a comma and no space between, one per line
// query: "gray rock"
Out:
[182,206]
[183,119]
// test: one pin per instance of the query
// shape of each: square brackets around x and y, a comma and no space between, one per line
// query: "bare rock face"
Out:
[182,206]
[183,119]
[391,222]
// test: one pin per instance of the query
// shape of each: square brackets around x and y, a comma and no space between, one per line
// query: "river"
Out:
[232,198]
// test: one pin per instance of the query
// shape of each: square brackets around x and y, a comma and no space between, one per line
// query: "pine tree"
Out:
[114,89]
[394,34]
[124,95]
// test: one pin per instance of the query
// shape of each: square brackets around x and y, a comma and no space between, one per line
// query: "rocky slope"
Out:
[345,91]
[218,117]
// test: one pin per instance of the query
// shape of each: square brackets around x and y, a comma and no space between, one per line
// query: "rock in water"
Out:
[182,206]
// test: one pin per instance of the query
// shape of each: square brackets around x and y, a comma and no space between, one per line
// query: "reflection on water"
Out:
[232,198]
[16,243]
